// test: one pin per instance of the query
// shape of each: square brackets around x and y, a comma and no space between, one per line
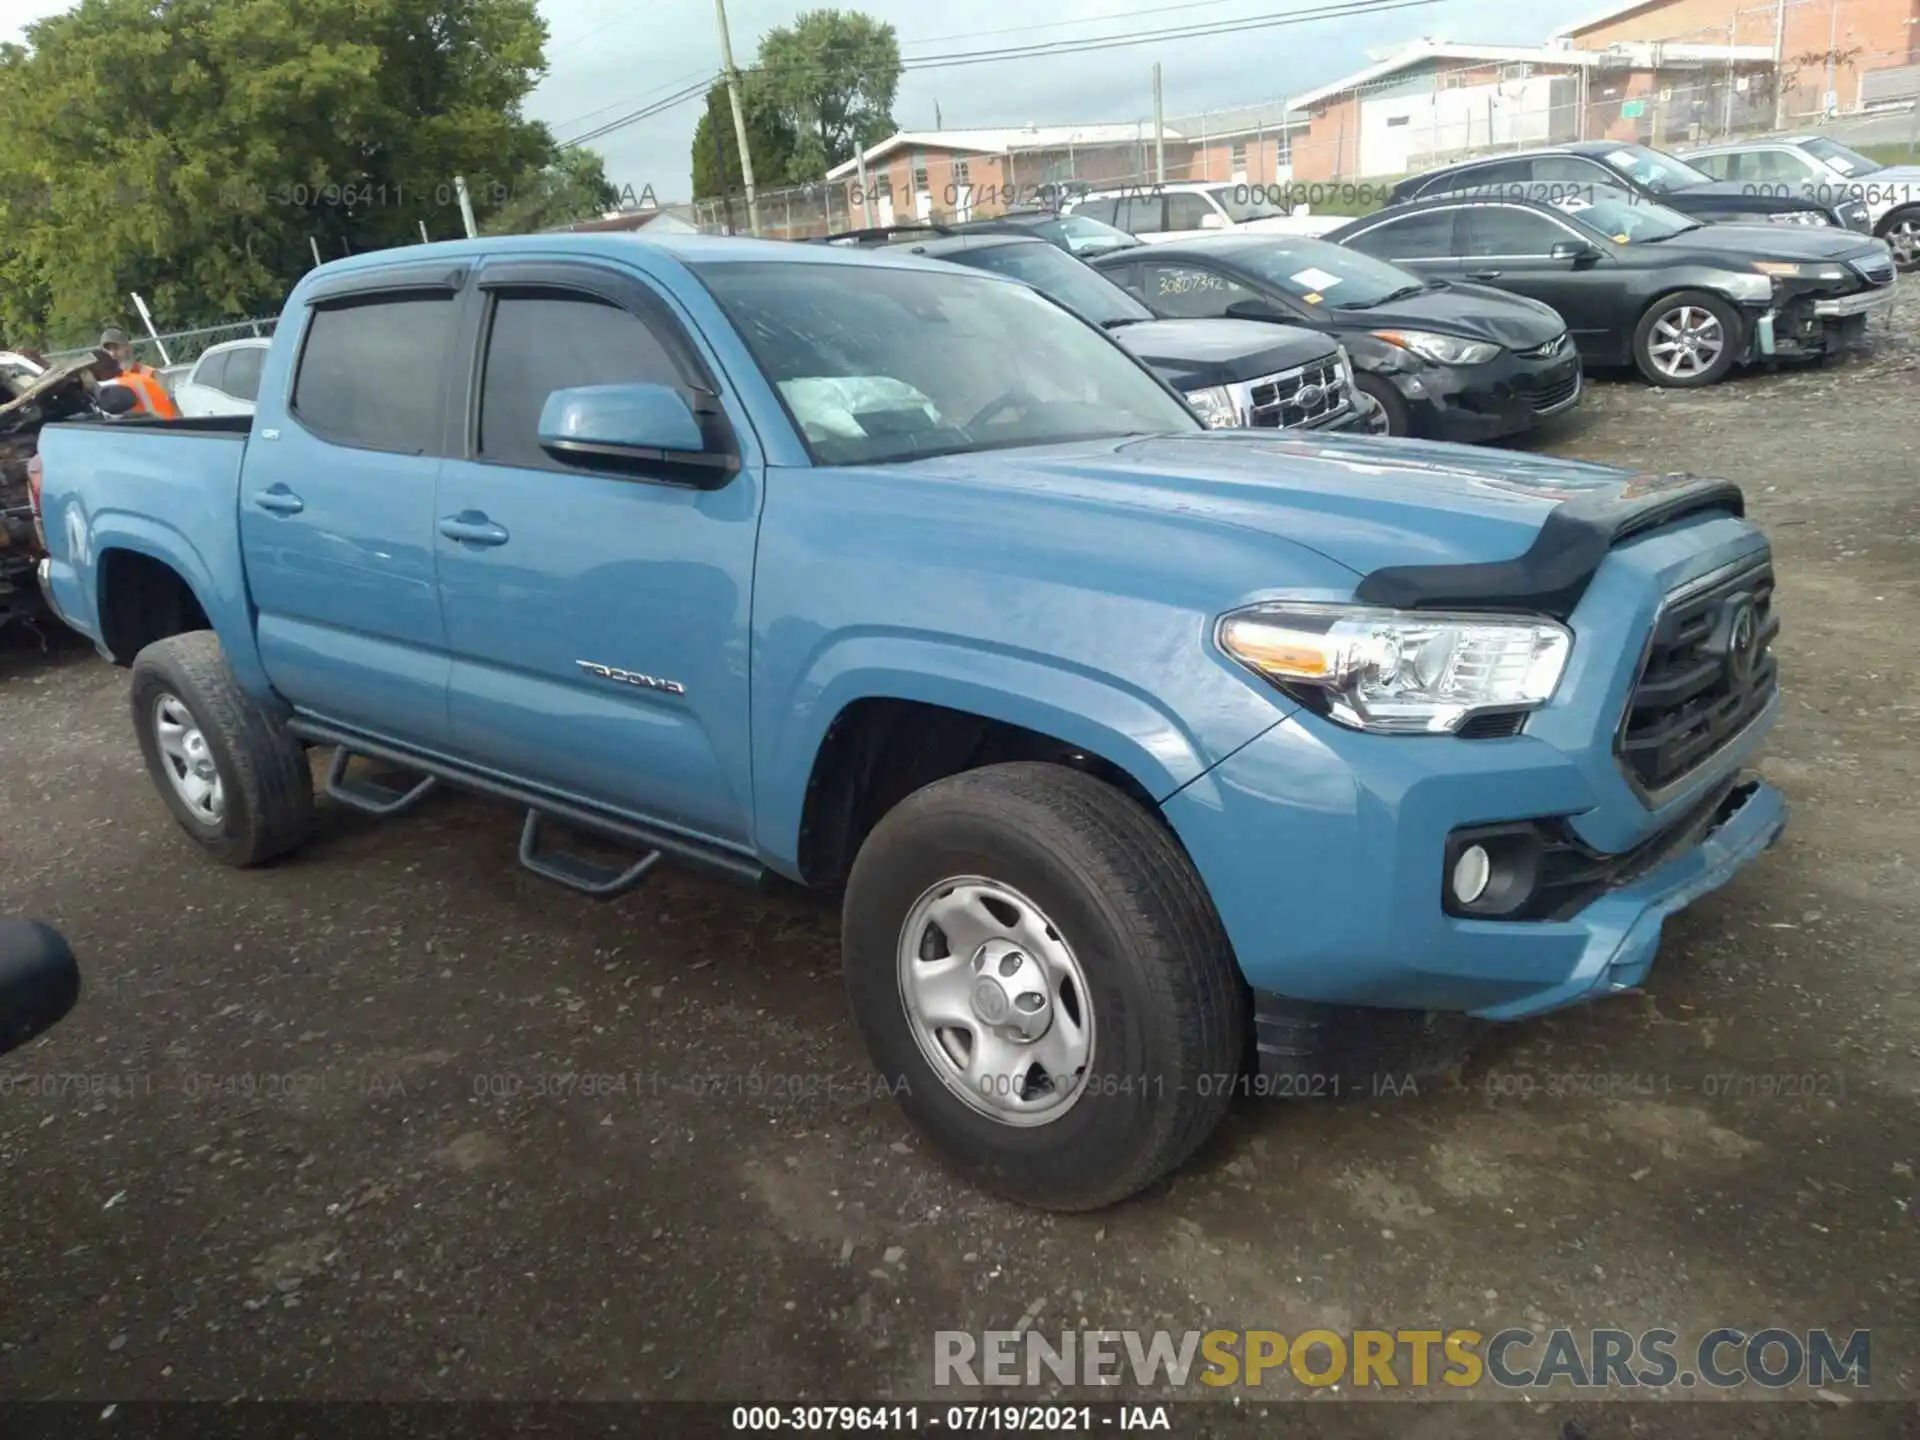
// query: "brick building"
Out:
[1825,50]
[1433,101]
[959,174]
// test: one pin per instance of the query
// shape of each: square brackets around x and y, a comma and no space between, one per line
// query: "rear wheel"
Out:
[1687,340]
[1397,418]
[1901,231]
[233,778]
[1042,980]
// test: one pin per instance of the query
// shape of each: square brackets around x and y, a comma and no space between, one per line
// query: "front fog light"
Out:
[1471,872]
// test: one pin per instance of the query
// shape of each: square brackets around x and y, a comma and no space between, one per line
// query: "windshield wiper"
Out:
[1402,293]
[1115,322]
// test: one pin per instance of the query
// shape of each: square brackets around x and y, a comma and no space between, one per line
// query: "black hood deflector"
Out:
[1555,572]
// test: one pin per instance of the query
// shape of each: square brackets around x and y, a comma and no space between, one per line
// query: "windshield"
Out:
[1847,162]
[1060,278]
[1627,222]
[1659,173]
[877,364]
[1246,203]
[1317,273]
[1083,235]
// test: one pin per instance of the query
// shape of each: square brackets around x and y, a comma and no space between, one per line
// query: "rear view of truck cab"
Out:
[1138,752]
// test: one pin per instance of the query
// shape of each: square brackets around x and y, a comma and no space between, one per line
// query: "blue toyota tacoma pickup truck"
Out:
[1147,760]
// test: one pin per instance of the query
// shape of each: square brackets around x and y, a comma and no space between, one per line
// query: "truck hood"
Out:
[1451,517]
[1190,354]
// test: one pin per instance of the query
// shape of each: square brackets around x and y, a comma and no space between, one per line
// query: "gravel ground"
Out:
[300,1139]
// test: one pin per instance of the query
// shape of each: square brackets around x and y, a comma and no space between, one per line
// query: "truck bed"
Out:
[170,485]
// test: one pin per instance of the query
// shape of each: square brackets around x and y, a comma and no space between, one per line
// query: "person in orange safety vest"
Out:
[142,379]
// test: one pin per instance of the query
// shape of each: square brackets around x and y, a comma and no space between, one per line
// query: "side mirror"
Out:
[1573,250]
[1264,310]
[1213,220]
[626,424]
[39,981]
[118,400]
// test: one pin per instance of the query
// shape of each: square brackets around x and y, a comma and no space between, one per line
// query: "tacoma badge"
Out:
[632,677]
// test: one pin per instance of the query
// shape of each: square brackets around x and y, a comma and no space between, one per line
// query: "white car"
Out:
[1160,213]
[1827,171]
[225,380]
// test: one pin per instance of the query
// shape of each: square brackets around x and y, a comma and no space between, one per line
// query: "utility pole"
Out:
[1780,65]
[739,118]
[1159,131]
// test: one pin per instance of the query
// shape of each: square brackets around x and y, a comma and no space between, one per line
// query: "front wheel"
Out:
[1902,234]
[233,778]
[1687,339]
[1395,417]
[1043,982]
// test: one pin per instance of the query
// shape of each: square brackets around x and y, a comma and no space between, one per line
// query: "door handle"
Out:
[471,527]
[1483,274]
[280,501]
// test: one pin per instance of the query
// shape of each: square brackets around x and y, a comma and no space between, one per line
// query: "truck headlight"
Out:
[1799,217]
[1399,672]
[1441,349]
[1216,407]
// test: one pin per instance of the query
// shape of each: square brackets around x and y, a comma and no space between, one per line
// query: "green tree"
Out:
[574,188]
[195,150]
[833,75]
[770,139]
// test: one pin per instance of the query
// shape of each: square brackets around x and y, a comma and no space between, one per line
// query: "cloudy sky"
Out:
[608,58]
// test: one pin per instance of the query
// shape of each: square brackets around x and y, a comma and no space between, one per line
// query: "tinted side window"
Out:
[1565,170]
[243,372]
[1481,178]
[212,370]
[1720,167]
[1189,292]
[1418,237]
[372,373]
[542,342]
[1187,212]
[1101,210]
[1495,230]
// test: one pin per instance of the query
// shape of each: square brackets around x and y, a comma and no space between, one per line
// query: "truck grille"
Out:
[1876,269]
[1709,672]
[1301,396]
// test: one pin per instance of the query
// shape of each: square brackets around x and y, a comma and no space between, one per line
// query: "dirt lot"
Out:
[294,1142]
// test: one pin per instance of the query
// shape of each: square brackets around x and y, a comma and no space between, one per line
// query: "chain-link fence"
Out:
[182,347]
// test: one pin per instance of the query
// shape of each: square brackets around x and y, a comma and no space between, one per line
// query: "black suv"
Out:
[1234,373]
[1568,171]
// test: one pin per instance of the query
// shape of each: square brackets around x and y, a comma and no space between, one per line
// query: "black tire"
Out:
[263,773]
[1168,1003]
[1732,330]
[1901,231]
[1392,403]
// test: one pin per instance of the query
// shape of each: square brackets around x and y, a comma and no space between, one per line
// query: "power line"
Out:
[1338,10]
[1062,24]
[632,99]
[659,107]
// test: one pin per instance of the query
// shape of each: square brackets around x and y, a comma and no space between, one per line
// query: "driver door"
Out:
[553,573]
[1512,248]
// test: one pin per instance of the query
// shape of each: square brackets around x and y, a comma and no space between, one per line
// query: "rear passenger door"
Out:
[1420,240]
[337,505]
[592,568]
